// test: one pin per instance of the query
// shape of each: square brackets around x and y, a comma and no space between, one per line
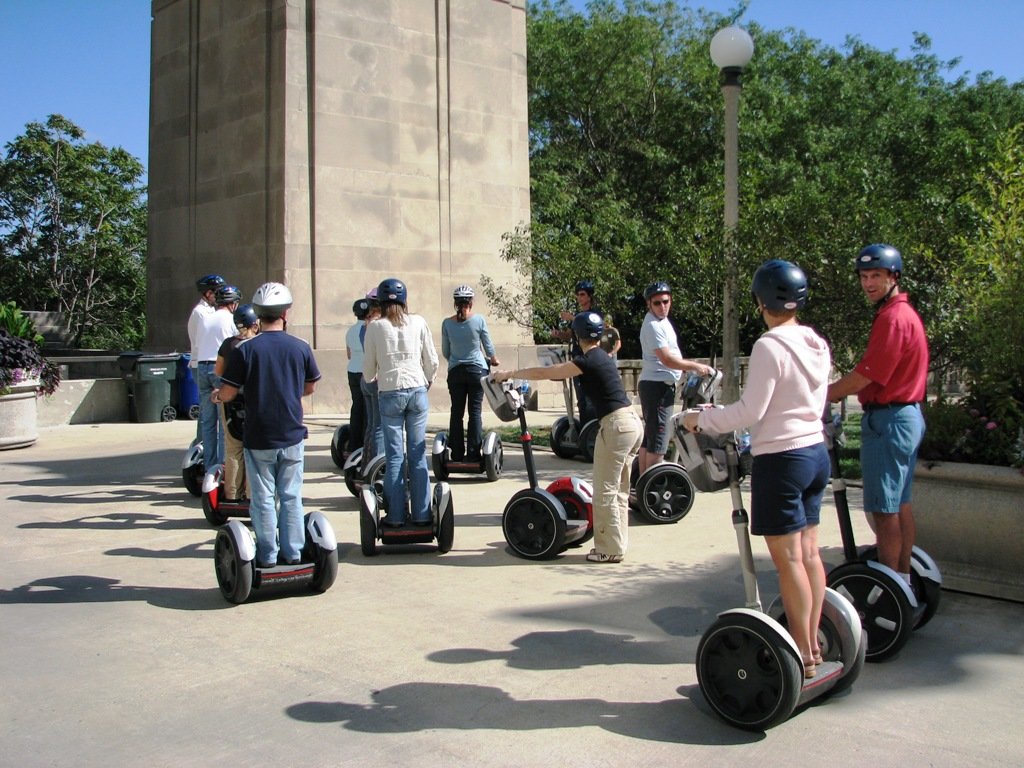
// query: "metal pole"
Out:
[730,320]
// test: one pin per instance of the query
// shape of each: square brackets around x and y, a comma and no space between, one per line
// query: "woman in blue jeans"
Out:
[464,341]
[399,352]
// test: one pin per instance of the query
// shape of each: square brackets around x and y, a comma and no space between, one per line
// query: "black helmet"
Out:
[879,256]
[780,285]
[655,288]
[210,283]
[245,317]
[392,291]
[588,325]
[585,285]
[226,294]
[361,308]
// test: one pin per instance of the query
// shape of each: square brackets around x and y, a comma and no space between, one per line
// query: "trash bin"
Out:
[185,396]
[149,378]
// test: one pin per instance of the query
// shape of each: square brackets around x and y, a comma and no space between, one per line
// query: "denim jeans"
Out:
[373,437]
[275,474]
[211,429]
[464,387]
[357,413]
[405,411]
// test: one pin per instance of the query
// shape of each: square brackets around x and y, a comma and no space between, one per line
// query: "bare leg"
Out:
[797,594]
[889,538]
[648,459]
[908,534]
[815,571]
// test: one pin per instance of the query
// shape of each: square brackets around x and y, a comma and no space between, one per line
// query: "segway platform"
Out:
[440,528]
[217,509]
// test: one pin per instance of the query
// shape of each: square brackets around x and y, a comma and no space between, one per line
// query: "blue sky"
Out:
[89,59]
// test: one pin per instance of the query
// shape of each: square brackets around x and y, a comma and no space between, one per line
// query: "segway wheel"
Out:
[351,478]
[234,575]
[493,462]
[325,567]
[446,528]
[193,412]
[367,532]
[883,606]
[211,507]
[168,413]
[927,591]
[588,439]
[192,477]
[575,509]
[439,461]
[375,478]
[747,672]
[560,444]
[664,493]
[338,443]
[533,526]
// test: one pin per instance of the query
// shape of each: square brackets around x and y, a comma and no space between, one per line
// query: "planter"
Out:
[18,419]
[970,519]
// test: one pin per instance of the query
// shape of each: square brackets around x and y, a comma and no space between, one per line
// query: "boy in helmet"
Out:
[782,404]
[354,352]
[661,371]
[233,414]
[890,381]
[214,329]
[277,371]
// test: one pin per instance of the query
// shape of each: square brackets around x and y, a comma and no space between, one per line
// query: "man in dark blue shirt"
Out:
[277,371]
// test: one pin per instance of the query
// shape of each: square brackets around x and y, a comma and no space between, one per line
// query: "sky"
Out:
[89,59]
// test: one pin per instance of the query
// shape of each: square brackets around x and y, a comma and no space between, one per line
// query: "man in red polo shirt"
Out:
[890,382]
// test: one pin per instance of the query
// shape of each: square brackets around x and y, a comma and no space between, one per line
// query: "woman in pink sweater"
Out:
[782,404]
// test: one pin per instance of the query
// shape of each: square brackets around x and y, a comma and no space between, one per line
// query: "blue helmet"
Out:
[780,285]
[392,291]
[210,283]
[361,308]
[226,294]
[588,325]
[656,288]
[587,286]
[880,256]
[245,317]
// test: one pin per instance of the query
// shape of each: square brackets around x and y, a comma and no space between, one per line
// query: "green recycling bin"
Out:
[149,379]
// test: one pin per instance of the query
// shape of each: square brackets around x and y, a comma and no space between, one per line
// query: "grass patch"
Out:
[541,435]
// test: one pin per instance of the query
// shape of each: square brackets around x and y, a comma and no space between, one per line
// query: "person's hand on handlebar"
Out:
[690,421]
[500,376]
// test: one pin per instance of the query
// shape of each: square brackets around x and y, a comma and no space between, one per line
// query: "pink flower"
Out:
[991,425]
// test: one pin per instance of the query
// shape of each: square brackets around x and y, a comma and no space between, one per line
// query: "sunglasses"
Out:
[661,302]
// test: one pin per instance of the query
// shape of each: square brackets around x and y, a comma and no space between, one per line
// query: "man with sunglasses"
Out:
[662,368]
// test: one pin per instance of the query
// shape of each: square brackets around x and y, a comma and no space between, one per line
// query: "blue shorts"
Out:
[786,490]
[889,439]
[657,399]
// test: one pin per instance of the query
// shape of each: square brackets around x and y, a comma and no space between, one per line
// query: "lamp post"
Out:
[731,50]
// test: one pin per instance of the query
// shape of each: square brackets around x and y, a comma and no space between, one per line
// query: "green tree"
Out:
[73,232]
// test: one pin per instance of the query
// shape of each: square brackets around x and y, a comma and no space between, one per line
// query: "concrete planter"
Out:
[18,416]
[970,519]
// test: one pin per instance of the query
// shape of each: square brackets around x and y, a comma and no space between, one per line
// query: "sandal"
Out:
[810,669]
[601,557]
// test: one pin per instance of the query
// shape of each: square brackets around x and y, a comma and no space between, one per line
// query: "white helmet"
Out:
[463,292]
[271,300]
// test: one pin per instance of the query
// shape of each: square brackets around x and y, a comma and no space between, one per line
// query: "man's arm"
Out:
[850,384]
[681,364]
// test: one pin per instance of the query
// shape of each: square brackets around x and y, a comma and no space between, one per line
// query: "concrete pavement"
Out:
[117,647]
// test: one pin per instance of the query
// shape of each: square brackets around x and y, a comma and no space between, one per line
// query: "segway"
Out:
[192,469]
[490,463]
[665,492]
[889,607]
[568,438]
[441,527]
[356,478]
[536,524]
[748,667]
[238,575]
[217,509]
[339,453]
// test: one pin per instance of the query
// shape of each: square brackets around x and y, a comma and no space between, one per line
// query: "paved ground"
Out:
[117,648]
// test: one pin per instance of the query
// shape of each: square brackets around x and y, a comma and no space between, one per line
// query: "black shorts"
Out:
[657,399]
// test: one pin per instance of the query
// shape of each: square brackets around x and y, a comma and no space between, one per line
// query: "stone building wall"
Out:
[328,144]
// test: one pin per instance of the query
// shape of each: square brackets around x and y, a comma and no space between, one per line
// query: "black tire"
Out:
[375,479]
[193,412]
[588,440]
[439,461]
[367,532]
[927,592]
[351,477]
[883,606]
[665,493]
[168,413]
[211,507]
[192,477]
[575,509]
[493,461]
[748,673]
[446,528]
[234,575]
[533,526]
[325,568]
[559,432]
[338,443]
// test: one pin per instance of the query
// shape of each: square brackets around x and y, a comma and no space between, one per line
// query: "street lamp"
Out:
[731,50]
